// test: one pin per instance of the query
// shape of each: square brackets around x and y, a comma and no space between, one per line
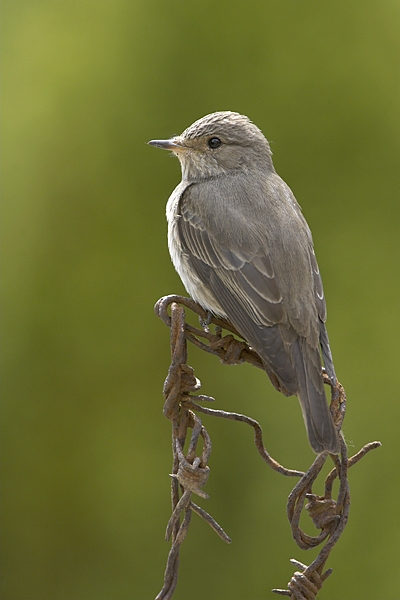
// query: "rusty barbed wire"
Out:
[190,471]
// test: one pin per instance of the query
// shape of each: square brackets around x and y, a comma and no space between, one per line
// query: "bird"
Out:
[244,251]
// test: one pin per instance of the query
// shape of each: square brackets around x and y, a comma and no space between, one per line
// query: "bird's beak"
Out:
[171,144]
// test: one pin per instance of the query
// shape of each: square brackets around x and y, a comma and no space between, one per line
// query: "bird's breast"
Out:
[181,260]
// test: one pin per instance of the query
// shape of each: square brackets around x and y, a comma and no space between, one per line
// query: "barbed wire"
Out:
[190,470]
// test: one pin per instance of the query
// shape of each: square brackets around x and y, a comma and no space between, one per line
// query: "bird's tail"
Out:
[320,428]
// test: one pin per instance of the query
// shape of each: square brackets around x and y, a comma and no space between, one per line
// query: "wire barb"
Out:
[190,470]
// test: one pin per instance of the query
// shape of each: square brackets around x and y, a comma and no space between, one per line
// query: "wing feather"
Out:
[245,285]
[270,291]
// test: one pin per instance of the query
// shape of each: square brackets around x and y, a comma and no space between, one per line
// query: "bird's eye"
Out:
[214,142]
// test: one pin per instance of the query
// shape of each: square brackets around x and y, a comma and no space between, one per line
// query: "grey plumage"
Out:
[243,250]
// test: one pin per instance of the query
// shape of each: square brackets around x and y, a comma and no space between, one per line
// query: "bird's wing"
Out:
[318,287]
[241,277]
[321,307]
[236,265]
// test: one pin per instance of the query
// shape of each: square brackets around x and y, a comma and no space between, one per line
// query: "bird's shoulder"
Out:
[245,211]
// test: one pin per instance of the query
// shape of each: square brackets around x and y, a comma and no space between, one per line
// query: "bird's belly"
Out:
[194,286]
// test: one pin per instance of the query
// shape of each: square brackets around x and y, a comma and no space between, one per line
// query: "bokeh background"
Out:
[86,449]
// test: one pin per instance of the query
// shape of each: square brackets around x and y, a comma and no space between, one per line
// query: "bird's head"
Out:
[218,144]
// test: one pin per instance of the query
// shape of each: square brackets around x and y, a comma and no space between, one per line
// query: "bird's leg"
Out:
[204,323]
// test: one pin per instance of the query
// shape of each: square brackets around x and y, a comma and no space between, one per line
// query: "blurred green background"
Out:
[86,449]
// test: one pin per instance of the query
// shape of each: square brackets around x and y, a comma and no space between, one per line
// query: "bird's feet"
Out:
[204,323]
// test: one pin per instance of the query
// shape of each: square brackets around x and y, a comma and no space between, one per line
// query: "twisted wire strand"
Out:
[190,471]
